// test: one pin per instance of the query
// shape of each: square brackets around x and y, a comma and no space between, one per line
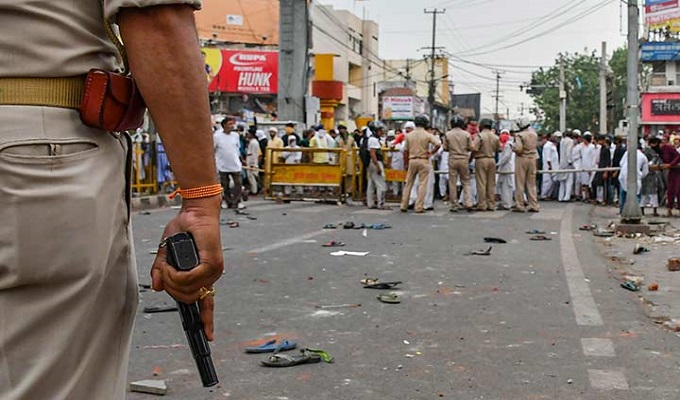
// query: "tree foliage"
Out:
[582,84]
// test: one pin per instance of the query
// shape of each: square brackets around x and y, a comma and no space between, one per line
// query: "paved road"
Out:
[534,320]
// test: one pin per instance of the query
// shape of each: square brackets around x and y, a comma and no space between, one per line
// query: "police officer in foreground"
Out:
[68,280]
[458,143]
[526,143]
[486,144]
[417,155]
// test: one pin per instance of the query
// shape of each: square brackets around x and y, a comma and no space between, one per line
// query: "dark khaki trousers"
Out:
[485,171]
[525,180]
[459,168]
[421,169]
[68,281]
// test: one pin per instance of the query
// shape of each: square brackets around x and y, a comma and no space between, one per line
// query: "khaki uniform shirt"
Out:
[486,144]
[526,143]
[417,144]
[56,38]
[458,143]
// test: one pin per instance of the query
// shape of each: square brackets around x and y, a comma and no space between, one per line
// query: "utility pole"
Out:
[498,94]
[431,89]
[293,60]
[631,210]
[563,98]
[603,90]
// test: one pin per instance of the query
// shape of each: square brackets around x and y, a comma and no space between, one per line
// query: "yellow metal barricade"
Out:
[144,180]
[392,177]
[306,177]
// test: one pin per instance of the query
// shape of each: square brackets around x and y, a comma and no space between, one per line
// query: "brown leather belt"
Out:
[46,92]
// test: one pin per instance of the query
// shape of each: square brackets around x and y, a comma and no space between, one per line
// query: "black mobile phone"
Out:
[182,254]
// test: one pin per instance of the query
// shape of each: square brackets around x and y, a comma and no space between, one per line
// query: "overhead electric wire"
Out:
[552,29]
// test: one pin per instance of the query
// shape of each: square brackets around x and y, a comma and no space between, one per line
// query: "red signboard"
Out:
[662,108]
[242,71]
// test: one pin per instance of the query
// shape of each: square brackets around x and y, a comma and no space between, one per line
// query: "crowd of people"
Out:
[473,166]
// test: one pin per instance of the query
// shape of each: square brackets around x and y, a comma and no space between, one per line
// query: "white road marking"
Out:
[270,207]
[598,347]
[582,300]
[607,380]
[290,241]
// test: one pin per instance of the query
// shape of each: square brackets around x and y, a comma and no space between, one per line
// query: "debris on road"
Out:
[653,287]
[480,252]
[350,253]
[603,233]
[638,249]
[494,240]
[540,237]
[391,298]
[333,243]
[329,306]
[590,227]
[329,226]
[382,285]
[149,386]
[630,285]
[535,232]
[674,264]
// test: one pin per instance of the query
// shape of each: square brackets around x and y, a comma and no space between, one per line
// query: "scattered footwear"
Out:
[630,285]
[603,233]
[251,218]
[329,226]
[494,240]
[535,232]
[369,281]
[333,243]
[241,212]
[486,252]
[233,224]
[382,285]
[389,298]
[638,249]
[587,227]
[285,360]
[540,237]
[378,226]
[272,347]
[348,225]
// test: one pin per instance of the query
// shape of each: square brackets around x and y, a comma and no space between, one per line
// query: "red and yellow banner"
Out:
[242,71]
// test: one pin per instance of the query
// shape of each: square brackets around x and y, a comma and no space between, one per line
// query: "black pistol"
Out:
[182,254]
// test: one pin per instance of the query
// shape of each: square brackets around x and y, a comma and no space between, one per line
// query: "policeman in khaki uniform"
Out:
[68,279]
[485,146]
[458,143]
[416,151]
[526,142]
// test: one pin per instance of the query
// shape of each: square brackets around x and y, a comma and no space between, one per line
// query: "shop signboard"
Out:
[242,71]
[660,51]
[397,108]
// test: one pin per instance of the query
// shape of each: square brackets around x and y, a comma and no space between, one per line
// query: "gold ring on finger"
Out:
[205,292]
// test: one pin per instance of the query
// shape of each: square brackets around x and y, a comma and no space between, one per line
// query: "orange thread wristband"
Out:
[199,192]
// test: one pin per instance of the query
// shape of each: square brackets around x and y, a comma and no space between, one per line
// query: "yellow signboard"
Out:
[395,175]
[307,175]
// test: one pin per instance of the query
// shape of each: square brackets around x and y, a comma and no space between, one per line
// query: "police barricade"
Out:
[395,176]
[144,180]
[305,174]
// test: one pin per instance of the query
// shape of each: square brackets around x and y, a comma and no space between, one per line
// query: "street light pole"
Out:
[631,210]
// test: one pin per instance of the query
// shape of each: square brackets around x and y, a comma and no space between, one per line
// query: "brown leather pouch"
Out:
[111,102]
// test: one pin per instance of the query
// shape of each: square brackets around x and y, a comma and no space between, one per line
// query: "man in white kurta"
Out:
[550,162]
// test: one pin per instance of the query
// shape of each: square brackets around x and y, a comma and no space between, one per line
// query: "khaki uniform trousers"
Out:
[421,169]
[68,281]
[485,171]
[459,169]
[525,179]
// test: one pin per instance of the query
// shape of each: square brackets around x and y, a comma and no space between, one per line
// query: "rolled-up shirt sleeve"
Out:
[112,7]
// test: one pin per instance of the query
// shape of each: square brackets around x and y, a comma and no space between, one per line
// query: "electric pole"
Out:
[293,60]
[498,94]
[603,90]
[631,210]
[563,98]
[431,89]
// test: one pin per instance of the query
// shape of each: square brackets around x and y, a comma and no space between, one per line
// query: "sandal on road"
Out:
[333,243]
[494,240]
[486,252]
[307,356]
[272,347]
[535,232]
[540,237]
[389,298]
[587,227]
[383,285]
